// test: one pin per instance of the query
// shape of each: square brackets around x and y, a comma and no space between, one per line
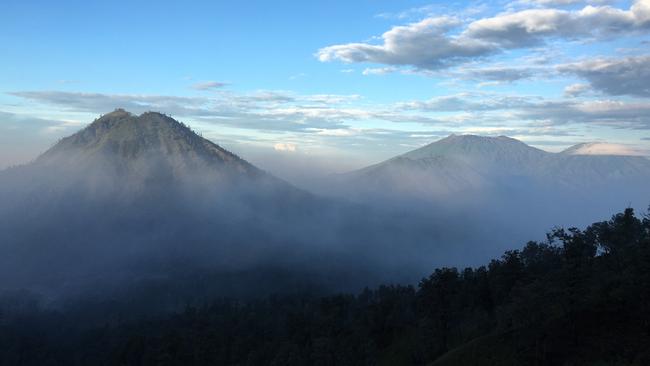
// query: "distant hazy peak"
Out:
[601,148]
[474,145]
[471,137]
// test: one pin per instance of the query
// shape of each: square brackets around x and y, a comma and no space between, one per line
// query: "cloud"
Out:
[101,103]
[501,73]
[208,85]
[435,43]
[622,76]
[266,96]
[409,13]
[332,98]
[261,110]
[575,90]
[22,137]
[618,114]
[425,44]
[378,70]
[530,27]
[495,109]
[467,102]
[550,2]
[284,146]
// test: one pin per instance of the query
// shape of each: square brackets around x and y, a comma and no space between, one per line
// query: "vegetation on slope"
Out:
[581,298]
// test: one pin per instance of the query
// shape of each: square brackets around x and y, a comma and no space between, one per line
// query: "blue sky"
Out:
[334,85]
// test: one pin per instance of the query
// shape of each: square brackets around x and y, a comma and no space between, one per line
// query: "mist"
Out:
[141,213]
[79,227]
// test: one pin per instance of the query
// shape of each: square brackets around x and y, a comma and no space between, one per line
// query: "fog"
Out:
[71,228]
[155,231]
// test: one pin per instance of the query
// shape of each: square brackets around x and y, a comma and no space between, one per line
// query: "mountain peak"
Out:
[125,138]
[474,146]
[118,112]
[601,148]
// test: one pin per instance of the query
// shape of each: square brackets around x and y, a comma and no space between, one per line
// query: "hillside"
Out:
[579,298]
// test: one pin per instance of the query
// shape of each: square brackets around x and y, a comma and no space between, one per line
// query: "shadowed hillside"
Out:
[580,298]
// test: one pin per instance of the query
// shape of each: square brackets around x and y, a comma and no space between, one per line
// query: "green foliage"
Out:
[581,298]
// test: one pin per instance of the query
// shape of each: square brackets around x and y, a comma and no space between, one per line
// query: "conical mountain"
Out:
[129,192]
[133,156]
[124,140]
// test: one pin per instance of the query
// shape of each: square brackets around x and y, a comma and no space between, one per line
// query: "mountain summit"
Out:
[125,140]
[466,146]
[134,157]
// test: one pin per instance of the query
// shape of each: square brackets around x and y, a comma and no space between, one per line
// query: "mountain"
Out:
[142,203]
[458,163]
[125,157]
[467,164]
[126,138]
[499,188]
[135,196]
[123,151]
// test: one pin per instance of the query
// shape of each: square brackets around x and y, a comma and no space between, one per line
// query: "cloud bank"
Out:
[441,42]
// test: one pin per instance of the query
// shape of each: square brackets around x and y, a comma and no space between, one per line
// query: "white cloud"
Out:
[284,146]
[208,85]
[467,102]
[336,132]
[424,44]
[435,43]
[332,98]
[622,76]
[613,113]
[498,73]
[378,70]
[575,90]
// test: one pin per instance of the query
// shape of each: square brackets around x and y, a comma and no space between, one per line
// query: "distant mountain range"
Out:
[143,198]
[467,165]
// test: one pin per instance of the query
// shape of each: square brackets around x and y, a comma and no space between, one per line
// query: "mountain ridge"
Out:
[470,163]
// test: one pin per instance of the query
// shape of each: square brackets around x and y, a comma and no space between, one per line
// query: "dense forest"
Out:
[582,297]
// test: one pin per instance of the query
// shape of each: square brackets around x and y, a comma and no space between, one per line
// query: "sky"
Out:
[308,88]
